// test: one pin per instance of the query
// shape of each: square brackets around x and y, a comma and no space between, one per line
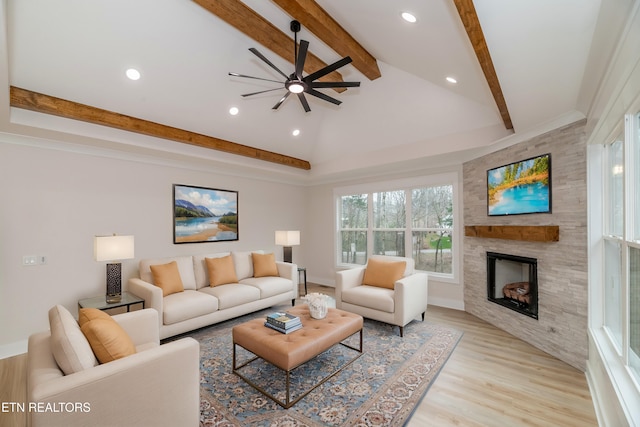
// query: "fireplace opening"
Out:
[512,281]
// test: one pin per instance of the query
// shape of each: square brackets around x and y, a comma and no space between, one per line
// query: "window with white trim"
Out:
[412,218]
[622,243]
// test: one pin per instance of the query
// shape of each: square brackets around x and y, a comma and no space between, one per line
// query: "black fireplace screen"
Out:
[512,281]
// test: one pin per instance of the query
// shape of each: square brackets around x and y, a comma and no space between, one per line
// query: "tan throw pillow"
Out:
[167,277]
[221,270]
[264,265]
[87,314]
[108,340]
[383,274]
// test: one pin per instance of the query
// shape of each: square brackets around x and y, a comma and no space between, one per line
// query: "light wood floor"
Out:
[495,379]
[491,379]
[13,388]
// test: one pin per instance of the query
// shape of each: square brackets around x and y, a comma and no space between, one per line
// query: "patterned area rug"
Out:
[380,388]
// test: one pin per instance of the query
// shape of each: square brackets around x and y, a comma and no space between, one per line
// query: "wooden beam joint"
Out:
[319,22]
[247,21]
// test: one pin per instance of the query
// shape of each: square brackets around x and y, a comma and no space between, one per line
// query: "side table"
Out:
[303,270]
[100,302]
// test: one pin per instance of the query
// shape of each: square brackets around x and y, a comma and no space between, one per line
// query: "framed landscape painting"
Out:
[520,188]
[204,214]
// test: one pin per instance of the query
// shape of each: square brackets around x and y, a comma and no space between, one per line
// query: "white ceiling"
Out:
[78,50]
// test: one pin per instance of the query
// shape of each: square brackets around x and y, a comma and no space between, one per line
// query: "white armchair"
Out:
[159,385]
[397,306]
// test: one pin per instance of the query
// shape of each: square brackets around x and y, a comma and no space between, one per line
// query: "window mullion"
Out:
[370,225]
[408,210]
[627,236]
[626,184]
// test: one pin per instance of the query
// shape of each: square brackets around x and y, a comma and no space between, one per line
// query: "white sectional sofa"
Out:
[201,304]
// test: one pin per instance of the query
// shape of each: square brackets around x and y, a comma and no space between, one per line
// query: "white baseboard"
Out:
[447,303]
[13,349]
[323,282]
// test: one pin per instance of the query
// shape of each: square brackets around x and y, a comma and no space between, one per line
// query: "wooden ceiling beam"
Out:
[247,21]
[28,100]
[471,23]
[313,17]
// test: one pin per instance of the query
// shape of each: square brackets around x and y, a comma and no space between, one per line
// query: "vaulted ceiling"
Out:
[519,68]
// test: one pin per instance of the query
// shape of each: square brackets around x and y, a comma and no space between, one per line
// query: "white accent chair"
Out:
[397,306]
[159,385]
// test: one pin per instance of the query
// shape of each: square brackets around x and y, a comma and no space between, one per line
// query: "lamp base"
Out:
[113,298]
[287,254]
[114,282]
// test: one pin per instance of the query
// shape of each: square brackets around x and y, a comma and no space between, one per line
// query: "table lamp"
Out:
[111,249]
[287,239]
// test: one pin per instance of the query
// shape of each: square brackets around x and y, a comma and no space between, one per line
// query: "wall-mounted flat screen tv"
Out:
[522,187]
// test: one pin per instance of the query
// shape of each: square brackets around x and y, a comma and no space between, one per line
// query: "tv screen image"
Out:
[522,187]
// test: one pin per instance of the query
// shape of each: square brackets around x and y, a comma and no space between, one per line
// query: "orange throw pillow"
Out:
[221,270]
[383,274]
[167,277]
[106,337]
[87,314]
[264,265]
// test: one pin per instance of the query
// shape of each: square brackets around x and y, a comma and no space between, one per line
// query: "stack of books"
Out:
[283,322]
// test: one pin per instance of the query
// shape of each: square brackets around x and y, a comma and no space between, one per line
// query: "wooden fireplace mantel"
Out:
[530,233]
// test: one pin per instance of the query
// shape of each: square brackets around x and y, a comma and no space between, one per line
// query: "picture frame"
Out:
[204,215]
[519,188]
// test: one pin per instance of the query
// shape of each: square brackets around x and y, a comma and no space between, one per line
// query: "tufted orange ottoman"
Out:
[289,351]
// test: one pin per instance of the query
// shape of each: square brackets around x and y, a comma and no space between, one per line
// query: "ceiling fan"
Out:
[298,84]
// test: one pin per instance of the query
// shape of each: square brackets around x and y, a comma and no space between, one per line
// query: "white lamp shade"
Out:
[288,238]
[112,248]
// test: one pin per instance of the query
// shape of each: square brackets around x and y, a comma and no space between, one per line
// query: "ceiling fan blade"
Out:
[251,77]
[302,56]
[304,102]
[328,69]
[323,96]
[264,58]
[275,107]
[333,84]
[262,91]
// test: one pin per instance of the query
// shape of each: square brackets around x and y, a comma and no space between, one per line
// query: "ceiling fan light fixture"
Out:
[297,82]
[295,87]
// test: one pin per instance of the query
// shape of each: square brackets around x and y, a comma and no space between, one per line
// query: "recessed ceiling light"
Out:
[409,17]
[295,132]
[133,74]
[233,111]
[451,80]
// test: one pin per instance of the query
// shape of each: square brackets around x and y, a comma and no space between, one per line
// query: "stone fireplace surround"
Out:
[561,327]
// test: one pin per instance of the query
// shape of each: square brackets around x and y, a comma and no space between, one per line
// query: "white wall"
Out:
[54,201]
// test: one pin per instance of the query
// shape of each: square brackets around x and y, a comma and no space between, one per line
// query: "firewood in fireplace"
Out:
[518,291]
